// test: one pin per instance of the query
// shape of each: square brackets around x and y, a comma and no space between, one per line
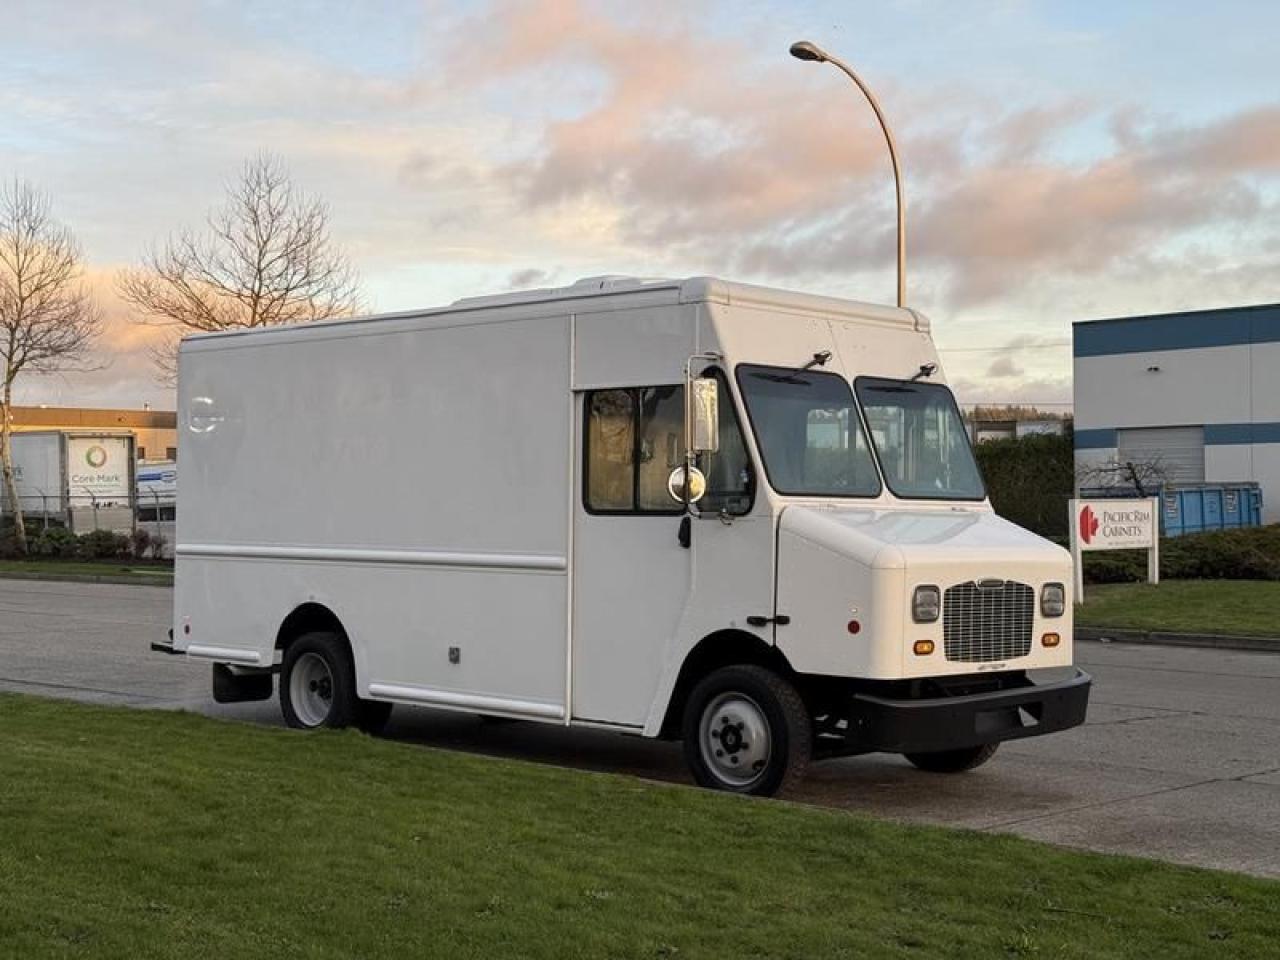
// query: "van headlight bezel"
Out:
[926,604]
[1053,600]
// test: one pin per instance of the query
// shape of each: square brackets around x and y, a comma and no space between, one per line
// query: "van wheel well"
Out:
[720,649]
[308,618]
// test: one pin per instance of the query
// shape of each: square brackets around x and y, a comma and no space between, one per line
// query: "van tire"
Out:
[769,727]
[317,683]
[953,761]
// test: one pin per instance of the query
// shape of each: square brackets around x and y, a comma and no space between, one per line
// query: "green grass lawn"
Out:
[87,568]
[1238,607]
[148,834]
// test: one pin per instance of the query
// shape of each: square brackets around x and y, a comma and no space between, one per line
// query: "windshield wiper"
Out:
[819,360]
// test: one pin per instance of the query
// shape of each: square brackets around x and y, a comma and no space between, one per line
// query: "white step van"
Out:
[745,518]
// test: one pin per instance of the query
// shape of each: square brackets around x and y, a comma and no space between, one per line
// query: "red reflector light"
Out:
[855,626]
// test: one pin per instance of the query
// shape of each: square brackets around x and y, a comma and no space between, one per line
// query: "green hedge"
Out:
[1030,480]
[1252,553]
[59,543]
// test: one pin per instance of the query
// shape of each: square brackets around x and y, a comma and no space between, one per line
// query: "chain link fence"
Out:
[78,525]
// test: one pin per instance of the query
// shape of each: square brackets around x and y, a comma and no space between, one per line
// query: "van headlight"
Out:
[1053,600]
[926,604]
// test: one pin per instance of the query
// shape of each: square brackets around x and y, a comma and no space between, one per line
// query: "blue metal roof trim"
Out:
[1215,435]
[1233,326]
[1224,434]
[1095,439]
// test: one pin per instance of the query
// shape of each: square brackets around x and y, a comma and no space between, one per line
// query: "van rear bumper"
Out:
[949,723]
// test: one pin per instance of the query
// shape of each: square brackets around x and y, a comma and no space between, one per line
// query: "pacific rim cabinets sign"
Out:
[1115,525]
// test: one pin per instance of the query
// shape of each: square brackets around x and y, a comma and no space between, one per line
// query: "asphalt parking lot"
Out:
[1180,759]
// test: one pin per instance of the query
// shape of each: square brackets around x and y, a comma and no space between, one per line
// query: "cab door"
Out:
[631,574]
[642,591]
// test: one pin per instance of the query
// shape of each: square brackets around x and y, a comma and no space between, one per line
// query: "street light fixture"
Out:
[811,52]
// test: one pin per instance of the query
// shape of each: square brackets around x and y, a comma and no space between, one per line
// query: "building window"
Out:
[142,453]
[171,453]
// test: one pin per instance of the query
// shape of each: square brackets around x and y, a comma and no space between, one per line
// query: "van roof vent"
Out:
[607,283]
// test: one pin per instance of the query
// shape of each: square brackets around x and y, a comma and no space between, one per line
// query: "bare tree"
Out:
[47,318]
[265,259]
[1145,476]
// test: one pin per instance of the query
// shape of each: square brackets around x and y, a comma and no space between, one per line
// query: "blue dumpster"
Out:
[1199,508]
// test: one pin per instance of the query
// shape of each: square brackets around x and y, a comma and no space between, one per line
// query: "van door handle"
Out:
[780,620]
[685,533]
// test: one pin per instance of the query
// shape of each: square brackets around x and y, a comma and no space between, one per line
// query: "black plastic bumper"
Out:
[950,723]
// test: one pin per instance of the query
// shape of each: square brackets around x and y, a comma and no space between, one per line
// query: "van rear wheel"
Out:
[317,683]
[746,730]
[953,761]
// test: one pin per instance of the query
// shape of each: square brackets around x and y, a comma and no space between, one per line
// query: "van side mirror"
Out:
[705,421]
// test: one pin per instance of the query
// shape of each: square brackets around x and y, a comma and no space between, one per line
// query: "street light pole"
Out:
[804,50]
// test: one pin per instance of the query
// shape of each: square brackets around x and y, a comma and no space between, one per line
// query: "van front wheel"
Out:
[746,730]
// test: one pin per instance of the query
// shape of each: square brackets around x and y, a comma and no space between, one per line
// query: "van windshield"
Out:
[808,432]
[920,439]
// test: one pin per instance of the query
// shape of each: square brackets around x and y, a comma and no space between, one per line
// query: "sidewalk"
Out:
[1164,638]
[93,573]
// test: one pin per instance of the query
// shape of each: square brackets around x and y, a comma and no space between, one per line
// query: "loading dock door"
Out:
[1178,450]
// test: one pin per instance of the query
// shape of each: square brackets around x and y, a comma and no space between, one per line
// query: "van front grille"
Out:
[987,621]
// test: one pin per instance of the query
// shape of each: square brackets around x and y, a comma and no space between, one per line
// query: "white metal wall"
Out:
[1204,387]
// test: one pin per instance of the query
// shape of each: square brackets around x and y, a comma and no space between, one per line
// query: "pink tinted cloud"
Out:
[682,133]
[124,373]
[775,171]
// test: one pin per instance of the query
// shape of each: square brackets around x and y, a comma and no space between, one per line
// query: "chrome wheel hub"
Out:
[311,689]
[734,738]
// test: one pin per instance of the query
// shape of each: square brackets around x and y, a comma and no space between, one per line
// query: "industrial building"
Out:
[1180,399]
[155,432]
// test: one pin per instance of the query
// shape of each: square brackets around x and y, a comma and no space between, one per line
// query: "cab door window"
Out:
[634,438]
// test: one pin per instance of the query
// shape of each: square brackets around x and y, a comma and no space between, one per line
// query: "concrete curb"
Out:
[1160,638]
[144,580]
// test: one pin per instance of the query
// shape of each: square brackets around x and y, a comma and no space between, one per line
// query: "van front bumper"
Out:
[891,725]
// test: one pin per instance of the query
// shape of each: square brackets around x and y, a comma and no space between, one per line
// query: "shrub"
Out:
[1250,553]
[54,542]
[139,543]
[1030,480]
[9,543]
[103,545]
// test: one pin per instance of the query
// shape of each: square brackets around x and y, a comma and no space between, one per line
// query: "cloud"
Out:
[1050,393]
[600,137]
[526,279]
[706,155]
[124,373]
[1003,367]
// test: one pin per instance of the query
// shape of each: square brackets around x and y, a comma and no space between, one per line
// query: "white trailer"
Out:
[83,479]
[830,578]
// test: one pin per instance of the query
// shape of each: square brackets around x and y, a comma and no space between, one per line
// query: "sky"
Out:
[1062,161]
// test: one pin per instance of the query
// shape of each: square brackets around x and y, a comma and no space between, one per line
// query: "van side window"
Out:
[660,446]
[634,438]
[610,451]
